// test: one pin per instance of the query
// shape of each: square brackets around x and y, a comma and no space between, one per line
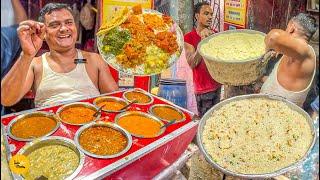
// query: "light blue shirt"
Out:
[10,46]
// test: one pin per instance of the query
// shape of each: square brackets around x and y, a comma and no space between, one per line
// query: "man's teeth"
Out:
[64,36]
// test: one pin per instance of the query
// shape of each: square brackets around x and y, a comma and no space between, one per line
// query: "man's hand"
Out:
[271,54]
[31,35]
[205,33]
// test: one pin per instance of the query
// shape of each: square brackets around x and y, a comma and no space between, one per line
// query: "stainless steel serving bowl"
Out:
[252,176]
[54,140]
[77,104]
[234,73]
[138,113]
[139,91]
[112,99]
[151,110]
[103,124]
[33,114]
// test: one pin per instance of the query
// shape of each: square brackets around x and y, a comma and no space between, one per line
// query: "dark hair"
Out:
[48,8]
[198,7]
[308,24]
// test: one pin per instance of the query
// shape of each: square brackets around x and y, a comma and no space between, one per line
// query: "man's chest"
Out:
[72,71]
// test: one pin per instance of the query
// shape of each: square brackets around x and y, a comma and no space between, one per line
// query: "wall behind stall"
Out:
[264,15]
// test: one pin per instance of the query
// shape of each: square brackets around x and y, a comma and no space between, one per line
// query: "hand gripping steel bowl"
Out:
[252,176]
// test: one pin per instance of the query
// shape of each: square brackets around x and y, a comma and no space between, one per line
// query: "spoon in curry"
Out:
[98,111]
[135,101]
[168,124]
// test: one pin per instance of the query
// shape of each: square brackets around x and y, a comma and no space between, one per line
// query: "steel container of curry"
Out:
[113,126]
[171,108]
[278,172]
[50,141]
[92,108]
[138,95]
[139,114]
[39,114]
[99,100]
[234,73]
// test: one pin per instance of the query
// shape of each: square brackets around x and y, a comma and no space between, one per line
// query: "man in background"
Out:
[207,90]
[10,45]
[293,75]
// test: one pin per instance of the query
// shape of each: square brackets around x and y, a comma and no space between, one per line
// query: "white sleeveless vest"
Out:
[60,87]
[272,86]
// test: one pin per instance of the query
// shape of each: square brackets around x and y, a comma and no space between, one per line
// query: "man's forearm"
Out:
[194,59]
[13,83]
[19,11]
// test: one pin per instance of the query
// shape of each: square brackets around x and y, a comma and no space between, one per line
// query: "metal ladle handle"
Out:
[168,124]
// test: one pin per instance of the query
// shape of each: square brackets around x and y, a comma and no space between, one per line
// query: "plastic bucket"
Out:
[174,90]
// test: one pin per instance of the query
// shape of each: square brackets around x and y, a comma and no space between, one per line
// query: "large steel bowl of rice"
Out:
[235,57]
[255,136]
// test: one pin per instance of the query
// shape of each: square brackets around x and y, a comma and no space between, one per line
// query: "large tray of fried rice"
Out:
[255,136]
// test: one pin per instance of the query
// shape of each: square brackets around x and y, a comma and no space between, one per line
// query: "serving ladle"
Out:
[168,124]
[135,101]
[99,111]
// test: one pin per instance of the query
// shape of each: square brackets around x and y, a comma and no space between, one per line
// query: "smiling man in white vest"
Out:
[54,76]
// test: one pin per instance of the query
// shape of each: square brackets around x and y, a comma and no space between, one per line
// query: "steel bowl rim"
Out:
[62,139]
[207,58]
[85,104]
[139,91]
[23,116]
[106,124]
[250,176]
[162,130]
[167,106]
[118,99]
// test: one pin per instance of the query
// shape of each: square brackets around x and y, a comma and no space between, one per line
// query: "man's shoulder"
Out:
[190,34]
[192,38]
[90,55]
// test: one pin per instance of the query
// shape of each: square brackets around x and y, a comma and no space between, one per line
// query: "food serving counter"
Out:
[147,156]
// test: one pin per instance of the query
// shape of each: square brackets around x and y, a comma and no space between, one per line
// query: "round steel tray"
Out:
[113,99]
[33,114]
[253,176]
[110,125]
[54,140]
[111,59]
[119,116]
[139,91]
[183,116]
[78,104]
